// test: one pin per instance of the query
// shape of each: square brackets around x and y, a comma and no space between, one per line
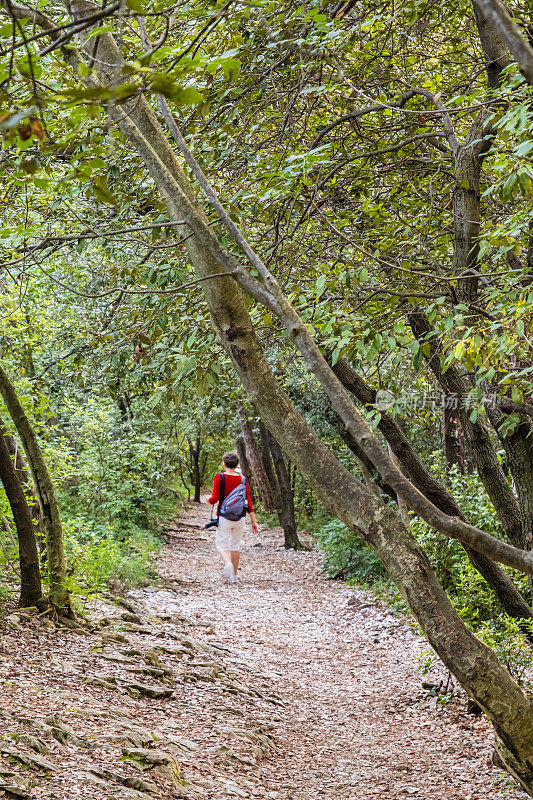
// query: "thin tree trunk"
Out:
[245,467]
[59,594]
[30,575]
[196,474]
[451,444]
[28,486]
[254,457]
[285,496]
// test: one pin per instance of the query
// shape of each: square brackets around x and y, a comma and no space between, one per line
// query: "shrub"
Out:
[100,555]
[347,556]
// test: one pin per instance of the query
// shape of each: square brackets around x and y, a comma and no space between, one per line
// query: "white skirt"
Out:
[229,534]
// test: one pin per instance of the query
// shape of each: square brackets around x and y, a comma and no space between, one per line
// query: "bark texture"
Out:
[30,574]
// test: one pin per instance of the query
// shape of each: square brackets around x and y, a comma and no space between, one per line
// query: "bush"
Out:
[347,556]
[465,586]
[100,556]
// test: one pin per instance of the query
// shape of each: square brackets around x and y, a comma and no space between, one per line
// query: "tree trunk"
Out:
[266,458]
[245,467]
[28,486]
[194,451]
[285,497]
[256,464]
[30,575]
[402,505]
[452,447]
[59,594]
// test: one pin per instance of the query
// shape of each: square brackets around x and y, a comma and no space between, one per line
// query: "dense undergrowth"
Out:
[112,476]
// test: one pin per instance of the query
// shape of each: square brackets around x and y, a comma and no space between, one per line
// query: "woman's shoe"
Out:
[228,573]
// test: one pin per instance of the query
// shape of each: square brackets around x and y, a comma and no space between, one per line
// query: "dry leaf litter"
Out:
[284,686]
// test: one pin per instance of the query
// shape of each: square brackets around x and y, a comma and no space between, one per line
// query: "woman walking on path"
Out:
[229,532]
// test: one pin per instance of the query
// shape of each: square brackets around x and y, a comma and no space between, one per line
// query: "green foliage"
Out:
[469,592]
[345,185]
[347,556]
[510,643]
[101,557]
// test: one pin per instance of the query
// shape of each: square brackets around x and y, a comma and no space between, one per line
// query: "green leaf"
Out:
[459,350]
[417,358]
[102,193]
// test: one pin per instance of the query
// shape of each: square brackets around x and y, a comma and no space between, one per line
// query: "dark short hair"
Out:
[230,459]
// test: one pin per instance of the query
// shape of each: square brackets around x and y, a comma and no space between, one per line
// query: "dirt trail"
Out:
[285,686]
[356,722]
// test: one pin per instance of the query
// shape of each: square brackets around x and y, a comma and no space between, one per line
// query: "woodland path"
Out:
[356,722]
[286,686]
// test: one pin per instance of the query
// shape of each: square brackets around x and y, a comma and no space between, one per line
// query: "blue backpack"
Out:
[235,505]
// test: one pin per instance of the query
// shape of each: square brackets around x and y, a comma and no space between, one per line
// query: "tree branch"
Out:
[520,48]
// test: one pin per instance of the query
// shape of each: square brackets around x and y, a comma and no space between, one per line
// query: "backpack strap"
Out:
[245,509]
[221,491]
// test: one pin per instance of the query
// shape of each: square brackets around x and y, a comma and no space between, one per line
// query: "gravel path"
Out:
[356,722]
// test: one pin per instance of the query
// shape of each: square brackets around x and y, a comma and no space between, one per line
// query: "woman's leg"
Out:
[235,557]
[237,530]
[223,545]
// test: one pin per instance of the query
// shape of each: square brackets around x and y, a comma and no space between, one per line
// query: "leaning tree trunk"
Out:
[256,464]
[474,664]
[284,496]
[59,594]
[30,575]
[417,472]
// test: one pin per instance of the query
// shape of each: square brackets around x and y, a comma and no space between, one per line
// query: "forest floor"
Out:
[285,686]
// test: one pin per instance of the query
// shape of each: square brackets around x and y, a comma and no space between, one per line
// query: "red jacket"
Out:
[230,483]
